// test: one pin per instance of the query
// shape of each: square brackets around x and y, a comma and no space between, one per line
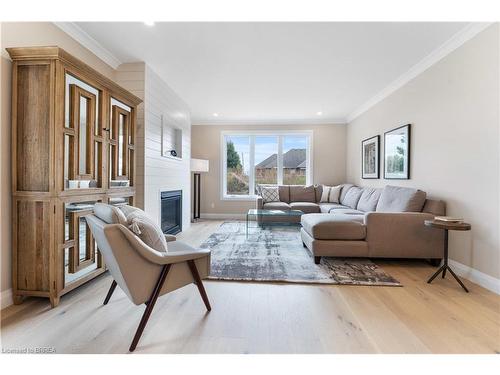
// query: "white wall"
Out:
[132,77]
[162,173]
[454,110]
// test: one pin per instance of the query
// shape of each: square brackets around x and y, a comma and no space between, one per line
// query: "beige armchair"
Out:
[141,272]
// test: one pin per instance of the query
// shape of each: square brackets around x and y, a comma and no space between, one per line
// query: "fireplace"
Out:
[171,211]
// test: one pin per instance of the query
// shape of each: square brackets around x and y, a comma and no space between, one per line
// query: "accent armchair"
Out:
[143,273]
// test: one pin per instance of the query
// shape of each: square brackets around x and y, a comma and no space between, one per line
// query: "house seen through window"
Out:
[251,160]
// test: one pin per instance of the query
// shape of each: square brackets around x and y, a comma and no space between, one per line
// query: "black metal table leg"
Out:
[445,265]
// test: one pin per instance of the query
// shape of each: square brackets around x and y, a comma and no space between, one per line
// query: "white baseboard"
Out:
[6,298]
[477,277]
[223,216]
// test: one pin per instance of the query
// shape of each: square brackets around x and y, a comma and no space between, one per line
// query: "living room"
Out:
[250,187]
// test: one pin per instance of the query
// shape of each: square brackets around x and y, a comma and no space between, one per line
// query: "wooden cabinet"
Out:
[73,142]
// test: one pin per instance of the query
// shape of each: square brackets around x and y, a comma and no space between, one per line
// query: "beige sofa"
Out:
[367,222]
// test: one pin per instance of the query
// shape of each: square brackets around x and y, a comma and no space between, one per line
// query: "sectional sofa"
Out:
[366,222]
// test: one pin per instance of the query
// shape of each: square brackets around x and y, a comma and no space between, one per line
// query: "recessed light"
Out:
[319,113]
[149,23]
[216,114]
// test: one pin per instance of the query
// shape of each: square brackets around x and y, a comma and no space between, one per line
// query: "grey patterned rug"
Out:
[275,253]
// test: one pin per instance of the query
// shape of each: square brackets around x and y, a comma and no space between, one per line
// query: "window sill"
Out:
[248,198]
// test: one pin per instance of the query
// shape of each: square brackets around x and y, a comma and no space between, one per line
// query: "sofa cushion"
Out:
[346,211]
[276,206]
[305,207]
[334,227]
[369,199]
[334,196]
[352,197]
[318,192]
[284,191]
[401,199]
[343,191]
[327,207]
[269,194]
[299,193]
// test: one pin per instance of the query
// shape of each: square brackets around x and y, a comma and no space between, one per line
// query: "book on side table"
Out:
[449,219]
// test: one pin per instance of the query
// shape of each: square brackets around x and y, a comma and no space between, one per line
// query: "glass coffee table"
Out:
[277,214]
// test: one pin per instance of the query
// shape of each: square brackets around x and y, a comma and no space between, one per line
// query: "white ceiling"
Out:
[274,72]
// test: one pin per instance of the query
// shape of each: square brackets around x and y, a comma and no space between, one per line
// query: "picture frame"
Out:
[370,158]
[397,153]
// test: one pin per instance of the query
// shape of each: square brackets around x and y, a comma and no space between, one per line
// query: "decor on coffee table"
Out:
[446,226]
[276,254]
[397,153]
[279,216]
[370,152]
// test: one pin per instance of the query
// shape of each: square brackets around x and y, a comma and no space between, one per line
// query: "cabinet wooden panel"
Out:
[32,113]
[62,149]
[33,255]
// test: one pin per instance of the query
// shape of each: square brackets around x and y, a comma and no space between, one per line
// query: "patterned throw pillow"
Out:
[325,194]
[334,194]
[269,194]
[330,194]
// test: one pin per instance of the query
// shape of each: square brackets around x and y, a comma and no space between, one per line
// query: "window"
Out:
[264,158]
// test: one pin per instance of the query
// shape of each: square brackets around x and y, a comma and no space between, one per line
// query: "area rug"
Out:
[276,254]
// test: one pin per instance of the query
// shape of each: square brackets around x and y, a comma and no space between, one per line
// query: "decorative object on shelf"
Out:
[198,166]
[171,140]
[370,155]
[81,127]
[397,153]
[446,226]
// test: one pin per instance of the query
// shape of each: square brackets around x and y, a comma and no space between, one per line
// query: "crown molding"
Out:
[445,49]
[315,121]
[88,42]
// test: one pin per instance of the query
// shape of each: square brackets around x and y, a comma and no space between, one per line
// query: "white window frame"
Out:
[252,134]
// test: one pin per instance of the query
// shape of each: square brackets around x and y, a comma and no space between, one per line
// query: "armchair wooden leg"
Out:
[199,284]
[110,292]
[150,306]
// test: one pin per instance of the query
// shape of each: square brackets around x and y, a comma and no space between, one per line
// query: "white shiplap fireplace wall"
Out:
[156,173]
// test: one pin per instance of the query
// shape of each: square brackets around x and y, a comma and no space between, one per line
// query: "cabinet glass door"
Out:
[121,138]
[83,138]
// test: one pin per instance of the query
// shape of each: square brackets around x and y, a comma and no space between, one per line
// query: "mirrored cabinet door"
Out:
[81,255]
[121,146]
[83,139]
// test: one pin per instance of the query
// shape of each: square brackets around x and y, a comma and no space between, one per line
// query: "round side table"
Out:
[446,227]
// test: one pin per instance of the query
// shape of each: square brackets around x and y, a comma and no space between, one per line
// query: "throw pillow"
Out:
[145,228]
[269,194]
[325,194]
[335,194]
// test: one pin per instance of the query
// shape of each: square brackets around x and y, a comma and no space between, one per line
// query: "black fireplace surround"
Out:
[171,211]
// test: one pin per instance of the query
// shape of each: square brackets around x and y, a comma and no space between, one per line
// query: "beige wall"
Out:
[328,160]
[454,111]
[24,35]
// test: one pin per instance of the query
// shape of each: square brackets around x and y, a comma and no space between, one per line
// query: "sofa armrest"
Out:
[259,202]
[389,233]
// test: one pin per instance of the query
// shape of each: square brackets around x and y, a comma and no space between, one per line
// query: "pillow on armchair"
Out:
[145,228]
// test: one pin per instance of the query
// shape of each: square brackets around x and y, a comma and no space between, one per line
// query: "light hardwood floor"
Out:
[268,318]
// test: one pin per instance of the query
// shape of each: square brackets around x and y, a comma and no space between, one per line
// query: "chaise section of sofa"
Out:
[387,223]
